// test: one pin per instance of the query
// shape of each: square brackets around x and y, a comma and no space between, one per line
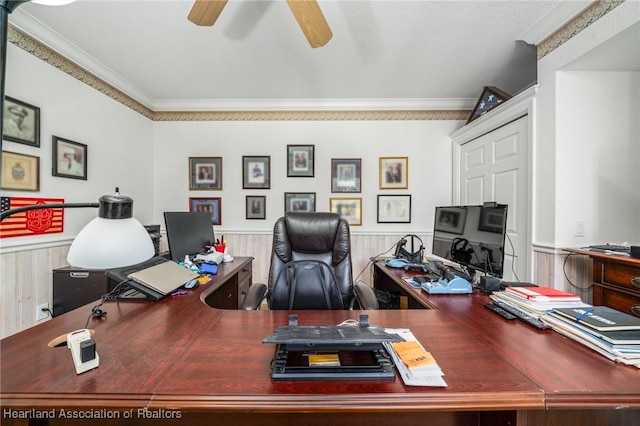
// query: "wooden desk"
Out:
[616,280]
[179,361]
[181,358]
[579,386]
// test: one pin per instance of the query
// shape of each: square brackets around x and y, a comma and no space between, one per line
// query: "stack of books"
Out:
[611,333]
[536,301]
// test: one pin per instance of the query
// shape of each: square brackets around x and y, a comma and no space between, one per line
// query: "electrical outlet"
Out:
[42,312]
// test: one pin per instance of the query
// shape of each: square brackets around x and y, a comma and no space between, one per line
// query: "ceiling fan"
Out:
[307,13]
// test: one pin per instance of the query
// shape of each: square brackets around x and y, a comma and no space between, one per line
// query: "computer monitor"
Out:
[188,233]
[472,236]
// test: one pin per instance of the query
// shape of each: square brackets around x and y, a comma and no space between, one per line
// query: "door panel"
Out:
[494,168]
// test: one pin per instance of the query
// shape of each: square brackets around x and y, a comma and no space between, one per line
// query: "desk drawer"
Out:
[617,286]
[617,275]
[245,273]
[244,281]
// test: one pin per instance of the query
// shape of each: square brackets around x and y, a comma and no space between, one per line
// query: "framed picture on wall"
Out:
[299,202]
[205,173]
[256,172]
[256,206]
[300,160]
[69,159]
[346,174]
[394,208]
[210,205]
[21,122]
[350,209]
[394,172]
[20,172]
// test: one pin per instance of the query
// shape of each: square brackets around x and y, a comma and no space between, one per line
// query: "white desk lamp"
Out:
[111,240]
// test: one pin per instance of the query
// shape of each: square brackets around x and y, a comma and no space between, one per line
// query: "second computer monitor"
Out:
[188,233]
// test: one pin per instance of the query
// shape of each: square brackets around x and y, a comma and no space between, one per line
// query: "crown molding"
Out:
[554,21]
[594,12]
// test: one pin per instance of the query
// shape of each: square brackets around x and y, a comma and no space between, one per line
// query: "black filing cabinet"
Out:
[74,287]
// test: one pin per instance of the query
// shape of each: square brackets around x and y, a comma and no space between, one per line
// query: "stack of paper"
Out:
[416,366]
[611,333]
[535,301]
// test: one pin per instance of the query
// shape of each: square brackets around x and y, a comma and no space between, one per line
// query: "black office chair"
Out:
[319,245]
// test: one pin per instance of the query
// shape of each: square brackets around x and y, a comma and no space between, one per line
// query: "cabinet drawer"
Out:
[617,275]
[615,298]
[245,274]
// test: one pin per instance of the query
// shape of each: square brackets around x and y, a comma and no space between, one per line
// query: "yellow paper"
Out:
[412,354]
[324,360]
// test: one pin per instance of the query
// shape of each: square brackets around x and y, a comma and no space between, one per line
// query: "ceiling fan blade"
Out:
[205,12]
[311,21]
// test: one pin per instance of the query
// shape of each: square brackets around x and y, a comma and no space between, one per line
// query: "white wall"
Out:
[579,141]
[426,143]
[598,150]
[120,153]
[119,142]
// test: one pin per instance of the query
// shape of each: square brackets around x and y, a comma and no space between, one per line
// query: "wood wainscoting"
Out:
[26,277]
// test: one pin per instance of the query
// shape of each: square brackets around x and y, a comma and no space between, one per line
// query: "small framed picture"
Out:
[350,209]
[69,159]
[394,172]
[210,205]
[394,208]
[20,172]
[345,174]
[21,122]
[300,160]
[256,172]
[256,206]
[299,202]
[451,220]
[205,173]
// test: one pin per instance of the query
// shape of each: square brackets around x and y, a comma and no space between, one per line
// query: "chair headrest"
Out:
[313,232]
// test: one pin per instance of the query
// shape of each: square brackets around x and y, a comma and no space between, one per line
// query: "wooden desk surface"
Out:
[571,375]
[180,354]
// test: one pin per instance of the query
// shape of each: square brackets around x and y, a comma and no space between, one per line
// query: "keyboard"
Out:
[611,247]
[522,316]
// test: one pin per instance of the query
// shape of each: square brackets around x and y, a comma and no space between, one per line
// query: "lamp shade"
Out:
[113,239]
[110,243]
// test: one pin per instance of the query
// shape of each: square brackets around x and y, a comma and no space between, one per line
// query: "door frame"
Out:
[523,104]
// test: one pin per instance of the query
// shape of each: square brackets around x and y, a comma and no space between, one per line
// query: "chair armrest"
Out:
[254,297]
[366,296]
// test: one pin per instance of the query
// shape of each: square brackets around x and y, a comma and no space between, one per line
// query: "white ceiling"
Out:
[439,53]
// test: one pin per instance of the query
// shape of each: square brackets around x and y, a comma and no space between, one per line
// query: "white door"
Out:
[493,167]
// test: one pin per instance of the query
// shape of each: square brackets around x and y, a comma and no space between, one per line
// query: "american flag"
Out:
[33,222]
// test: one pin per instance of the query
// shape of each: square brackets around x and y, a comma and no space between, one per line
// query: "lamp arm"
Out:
[5,214]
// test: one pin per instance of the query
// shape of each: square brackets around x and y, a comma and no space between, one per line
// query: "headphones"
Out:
[461,250]
[412,256]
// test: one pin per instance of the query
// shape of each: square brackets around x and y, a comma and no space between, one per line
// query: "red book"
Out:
[543,294]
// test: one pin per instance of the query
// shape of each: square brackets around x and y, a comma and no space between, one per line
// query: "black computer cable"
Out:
[96,311]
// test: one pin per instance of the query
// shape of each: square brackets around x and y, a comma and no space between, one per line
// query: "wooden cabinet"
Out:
[616,283]
[231,285]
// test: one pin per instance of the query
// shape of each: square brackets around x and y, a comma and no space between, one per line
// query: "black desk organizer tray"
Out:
[356,352]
